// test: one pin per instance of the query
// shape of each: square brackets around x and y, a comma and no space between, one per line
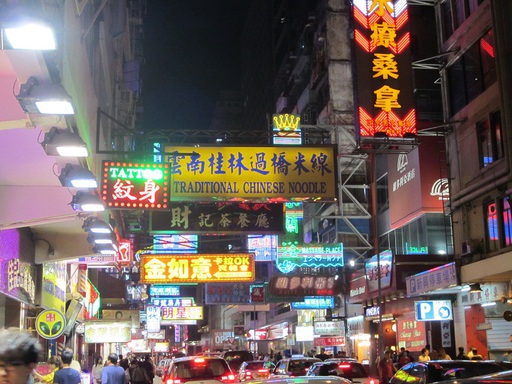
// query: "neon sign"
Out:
[291,256]
[384,86]
[133,185]
[286,129]
[198,268]
[182,313]
[311,302]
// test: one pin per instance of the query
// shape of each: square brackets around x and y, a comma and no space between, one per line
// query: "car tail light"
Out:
[372,381]
[248,374]
[228,378]
[263,370]
[199,360]
[344,366]
[175,381]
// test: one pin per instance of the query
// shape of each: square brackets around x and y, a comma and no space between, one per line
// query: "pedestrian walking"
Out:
[96,370]
[113,373]
[19,352]
[67,375]
[54,364]
[386,368]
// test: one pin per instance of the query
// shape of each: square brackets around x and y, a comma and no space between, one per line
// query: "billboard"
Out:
[292,255]
[269,173]
[197,268]
[128,185]
[383,68]
[304,285]
[237,293]
[374,273]
[219,218]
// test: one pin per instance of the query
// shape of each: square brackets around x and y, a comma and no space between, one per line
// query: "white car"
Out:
[349,369]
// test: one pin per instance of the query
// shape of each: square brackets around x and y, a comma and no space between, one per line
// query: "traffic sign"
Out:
[432,310]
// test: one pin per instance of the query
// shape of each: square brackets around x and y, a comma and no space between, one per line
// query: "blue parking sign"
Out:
[432,310]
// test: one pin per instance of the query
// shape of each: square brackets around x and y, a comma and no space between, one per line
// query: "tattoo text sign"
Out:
[197,268]
[272,173]
[127,185]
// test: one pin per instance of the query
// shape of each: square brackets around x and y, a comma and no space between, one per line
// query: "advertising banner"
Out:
[127,185]
[437,278]
[108,331]
[260,173]
[304,285]
[330,341]
[219,217]
[182,313]
[410,334]
[293,256]
[374,273]
[197,268]
[235,293]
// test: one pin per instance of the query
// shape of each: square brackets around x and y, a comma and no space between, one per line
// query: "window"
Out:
[498,219]
[472,73]
[490,139]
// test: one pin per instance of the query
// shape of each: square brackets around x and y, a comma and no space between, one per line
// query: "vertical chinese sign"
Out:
[135,185]
[384,72]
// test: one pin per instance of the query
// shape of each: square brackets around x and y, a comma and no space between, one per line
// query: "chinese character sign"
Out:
[207,173]
[219,217]
[384,71]
[197,268]
[379,269]
[135,185]
[182,313]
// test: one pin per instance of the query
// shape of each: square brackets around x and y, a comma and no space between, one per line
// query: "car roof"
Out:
[349,359]
[303,380]
[301,358]
[189,358]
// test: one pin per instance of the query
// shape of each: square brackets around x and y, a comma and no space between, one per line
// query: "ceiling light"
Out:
[95,225]
[30,36]
[87,203]
[488,304]
[474,288]
[77,177]
[49,98]
[105,249]
[100,238]
[62,142]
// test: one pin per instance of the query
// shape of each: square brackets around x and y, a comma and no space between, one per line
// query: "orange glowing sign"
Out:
[197,268]
[384,85]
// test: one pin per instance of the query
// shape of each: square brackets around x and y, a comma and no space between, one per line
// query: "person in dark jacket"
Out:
[462,355]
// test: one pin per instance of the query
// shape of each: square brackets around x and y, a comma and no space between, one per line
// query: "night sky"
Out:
[192,51]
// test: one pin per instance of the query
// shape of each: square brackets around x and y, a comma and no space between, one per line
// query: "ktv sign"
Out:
[433,310]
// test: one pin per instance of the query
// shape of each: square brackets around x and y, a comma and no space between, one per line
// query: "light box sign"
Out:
[304,333]
[264,247]
[198,268]
[219,217]
[270,173]
[432,310]
[173,301]
[54,285]
[164,290]
[108,331]
[372,271]
[311,302]
[304,285]
[182,313]
[291,256]
[286,129]
[383,68]
[329,341]
[153,317]
[331,328]
[222,293]
[135,185]
[175,243]
[125,254]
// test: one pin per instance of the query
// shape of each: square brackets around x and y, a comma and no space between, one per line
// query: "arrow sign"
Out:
[433,310]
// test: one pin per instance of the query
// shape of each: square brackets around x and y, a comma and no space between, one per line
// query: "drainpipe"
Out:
[488,186]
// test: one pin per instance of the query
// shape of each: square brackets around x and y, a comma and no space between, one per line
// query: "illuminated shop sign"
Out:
[135,185]
[108,331]
[410,334]
[173,301]
[431,310]
[304,285]
[222,293]
[269,173]
[314,303]
[440,277]
[286,129]
[199,268]
[334,328]
[329,341]
[164,290]
[182,313]
[153,317]
[54,285]
[264,247]
[372,271]
[384,72]
[220,218]
[291,256]
[175,243]
[124,256]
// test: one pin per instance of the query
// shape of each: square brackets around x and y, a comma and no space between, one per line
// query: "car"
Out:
[256,369]
[349,369]
[199,370]
[164,363]
[499,377]
[303,380]
[294,366]
[236,358]
[442,370]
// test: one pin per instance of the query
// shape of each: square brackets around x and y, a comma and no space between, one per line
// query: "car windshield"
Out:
[256,365]
[442,372]
[201,368]
[299,366]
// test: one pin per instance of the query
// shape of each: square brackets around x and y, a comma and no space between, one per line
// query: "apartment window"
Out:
[455,12]
[507,221]
[472,73]
[492,226]
[490,139]
[498,223]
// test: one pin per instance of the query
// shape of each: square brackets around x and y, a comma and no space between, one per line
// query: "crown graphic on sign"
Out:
[286,121]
